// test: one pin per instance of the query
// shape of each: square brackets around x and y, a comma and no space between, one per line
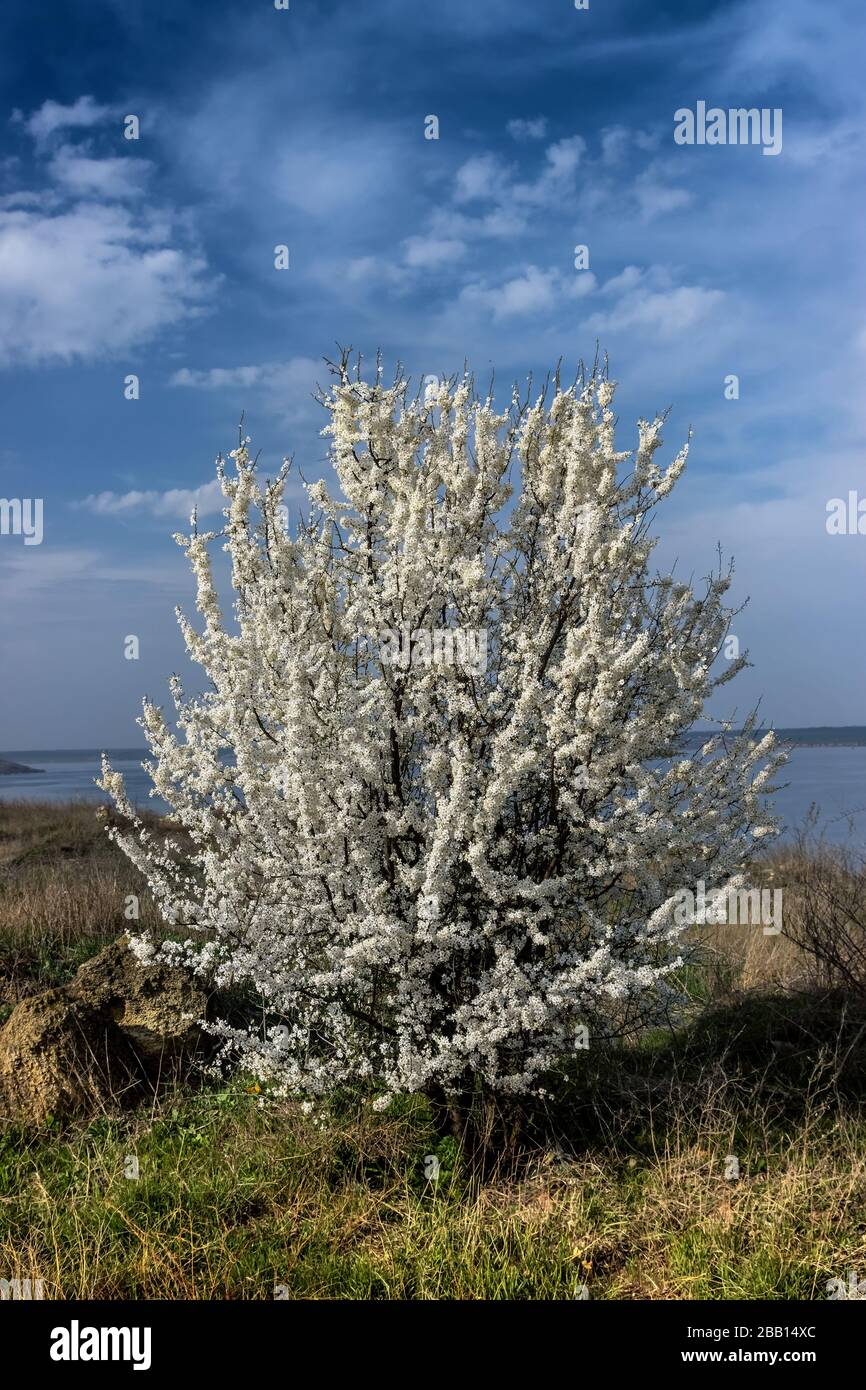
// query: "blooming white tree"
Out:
[439,873]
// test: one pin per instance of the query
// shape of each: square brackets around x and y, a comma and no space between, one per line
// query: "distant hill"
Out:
[820,736]
[8,767]
[851,735]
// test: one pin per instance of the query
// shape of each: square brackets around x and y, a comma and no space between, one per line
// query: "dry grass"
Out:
[822,941]
[745,959]
[63,888]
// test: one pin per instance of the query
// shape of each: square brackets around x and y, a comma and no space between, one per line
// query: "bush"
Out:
[438,803]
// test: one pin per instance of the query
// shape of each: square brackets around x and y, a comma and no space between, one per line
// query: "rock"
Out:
[156,1007]
[101,1041]
[54,1061]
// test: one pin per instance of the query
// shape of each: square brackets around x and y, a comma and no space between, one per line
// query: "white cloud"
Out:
[508,207]
[428,252]
[556,180]
[646,300]
[27,198]
[59,571]
[334,170]
[285,388]
[81,276]
[666,313]
[176,503]
[627,279]
[82,176]
[483,176]
[765,46]
[53,116]
[534,129]
[840,144]
[615,141]
[363,270]
[91,280]
[502,223]
[218,378]
[564,157]
[531,292]
[655,196]
[447,224]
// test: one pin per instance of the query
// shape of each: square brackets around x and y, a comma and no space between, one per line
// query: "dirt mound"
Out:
[99,1041]
[156,1007]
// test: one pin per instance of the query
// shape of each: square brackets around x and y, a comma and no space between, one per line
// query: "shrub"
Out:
[437,859]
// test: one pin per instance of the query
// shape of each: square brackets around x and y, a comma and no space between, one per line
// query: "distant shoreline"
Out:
[825,743]
[12,769]
[818,736]
[809,736]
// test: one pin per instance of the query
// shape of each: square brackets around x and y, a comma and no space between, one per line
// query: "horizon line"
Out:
[143,748]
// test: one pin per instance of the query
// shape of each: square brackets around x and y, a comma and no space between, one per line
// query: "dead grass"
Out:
[822,942]
[63,890]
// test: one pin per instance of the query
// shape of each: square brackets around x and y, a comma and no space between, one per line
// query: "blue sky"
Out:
[306,127]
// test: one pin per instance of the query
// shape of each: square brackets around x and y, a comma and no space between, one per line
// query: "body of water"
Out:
[833,778]
[68,775]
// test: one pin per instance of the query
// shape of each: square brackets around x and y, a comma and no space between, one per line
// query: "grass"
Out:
[239,1200]
[626,1190]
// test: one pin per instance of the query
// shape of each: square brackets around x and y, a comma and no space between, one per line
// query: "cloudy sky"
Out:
[306,127]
